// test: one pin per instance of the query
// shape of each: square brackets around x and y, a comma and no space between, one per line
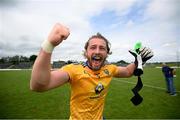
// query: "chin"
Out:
[96,68]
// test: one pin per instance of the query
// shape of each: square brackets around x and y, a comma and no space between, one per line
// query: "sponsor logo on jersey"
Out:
[99,88]
[106,71]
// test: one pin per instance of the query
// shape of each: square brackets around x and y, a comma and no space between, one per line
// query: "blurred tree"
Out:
[15,59]
[24,59]
[2,60]
[32,58]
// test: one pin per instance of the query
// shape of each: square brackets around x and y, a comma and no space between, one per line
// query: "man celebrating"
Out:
[89,81]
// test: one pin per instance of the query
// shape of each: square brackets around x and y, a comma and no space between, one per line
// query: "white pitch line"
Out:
[144,85]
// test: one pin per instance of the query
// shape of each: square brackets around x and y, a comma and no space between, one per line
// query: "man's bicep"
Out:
[123,72]
[58,78]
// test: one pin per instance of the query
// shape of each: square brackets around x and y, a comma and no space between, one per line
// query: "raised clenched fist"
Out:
[58,34]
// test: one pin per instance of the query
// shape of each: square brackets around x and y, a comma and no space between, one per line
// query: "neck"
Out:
[87,64]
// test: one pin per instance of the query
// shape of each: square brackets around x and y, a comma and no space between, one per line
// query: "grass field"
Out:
[17,101]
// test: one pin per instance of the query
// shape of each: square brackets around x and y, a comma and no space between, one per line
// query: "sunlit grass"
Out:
[17,101]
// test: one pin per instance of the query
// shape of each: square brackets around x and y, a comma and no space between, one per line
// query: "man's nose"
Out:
[97,50]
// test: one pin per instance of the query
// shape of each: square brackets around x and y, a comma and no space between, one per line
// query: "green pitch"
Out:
[17,101]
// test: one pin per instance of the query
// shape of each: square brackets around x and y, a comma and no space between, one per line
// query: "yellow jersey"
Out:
[88,90]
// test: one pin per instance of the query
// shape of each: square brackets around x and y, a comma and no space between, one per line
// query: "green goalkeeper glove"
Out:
[141,54]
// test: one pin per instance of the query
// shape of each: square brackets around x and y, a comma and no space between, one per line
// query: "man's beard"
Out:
[95,62]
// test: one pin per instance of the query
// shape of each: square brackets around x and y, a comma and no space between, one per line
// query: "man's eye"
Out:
[92,48]
[102,48]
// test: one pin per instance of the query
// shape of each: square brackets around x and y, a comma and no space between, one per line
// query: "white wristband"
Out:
[139,59]
[47,46]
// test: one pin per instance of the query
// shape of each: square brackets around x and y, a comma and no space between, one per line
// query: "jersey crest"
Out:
[99,88]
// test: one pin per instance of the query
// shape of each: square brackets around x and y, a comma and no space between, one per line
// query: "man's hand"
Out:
[146,54]
[58,34]
[138,62]
[141,54]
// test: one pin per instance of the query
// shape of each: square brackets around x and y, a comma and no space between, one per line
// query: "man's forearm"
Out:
[41,71]
[131,67]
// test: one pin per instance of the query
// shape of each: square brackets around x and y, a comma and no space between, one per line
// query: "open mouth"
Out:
[96,58]
[96,61]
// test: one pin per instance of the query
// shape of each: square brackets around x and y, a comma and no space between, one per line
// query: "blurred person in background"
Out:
[169,74]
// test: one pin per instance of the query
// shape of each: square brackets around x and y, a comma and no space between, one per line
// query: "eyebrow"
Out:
[98,45]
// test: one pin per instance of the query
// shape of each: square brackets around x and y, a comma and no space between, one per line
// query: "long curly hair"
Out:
[98,35]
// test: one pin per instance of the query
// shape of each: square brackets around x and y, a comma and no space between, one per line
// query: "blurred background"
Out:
[25,24]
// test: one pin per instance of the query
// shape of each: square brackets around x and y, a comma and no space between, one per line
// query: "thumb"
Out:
[133,53]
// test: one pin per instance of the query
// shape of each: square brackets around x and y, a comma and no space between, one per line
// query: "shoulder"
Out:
[111,68]
[72,66]
[73,70]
